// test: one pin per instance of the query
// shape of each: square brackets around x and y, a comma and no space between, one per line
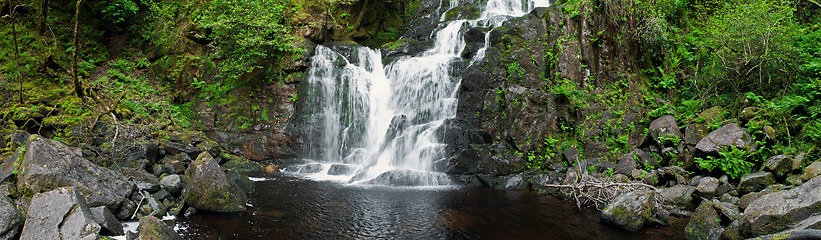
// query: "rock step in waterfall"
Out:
[383,124]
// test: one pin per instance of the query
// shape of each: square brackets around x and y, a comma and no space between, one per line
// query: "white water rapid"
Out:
[383,124]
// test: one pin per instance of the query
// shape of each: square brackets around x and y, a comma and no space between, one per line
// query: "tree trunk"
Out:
[16,50]
[78,88]
[42,16]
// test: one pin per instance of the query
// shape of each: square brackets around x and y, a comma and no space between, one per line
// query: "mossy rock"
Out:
[210,189]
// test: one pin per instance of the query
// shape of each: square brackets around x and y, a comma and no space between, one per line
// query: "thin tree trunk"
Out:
[42,16]
[78,88]
[16,50]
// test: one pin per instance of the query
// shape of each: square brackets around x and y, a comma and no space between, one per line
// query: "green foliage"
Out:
[750,45]
[249,33]
[733,162]
[116,11]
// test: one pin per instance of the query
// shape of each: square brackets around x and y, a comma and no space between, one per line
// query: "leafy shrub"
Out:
[733,162]
[750,46]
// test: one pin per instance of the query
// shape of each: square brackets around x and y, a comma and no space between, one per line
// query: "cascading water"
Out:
[383,124]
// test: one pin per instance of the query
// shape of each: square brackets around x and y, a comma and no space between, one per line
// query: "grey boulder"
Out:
[49,164]
[630,210]
[60,214]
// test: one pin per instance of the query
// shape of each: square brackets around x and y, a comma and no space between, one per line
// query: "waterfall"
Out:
[383,124]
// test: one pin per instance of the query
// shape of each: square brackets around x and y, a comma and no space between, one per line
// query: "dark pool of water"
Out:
[292,208]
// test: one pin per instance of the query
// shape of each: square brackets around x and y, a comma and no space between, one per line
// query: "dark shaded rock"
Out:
[210,189]
[146,151]
[311,168]
[19,138]
[811,171]
[241,164]
[729,199]
[664,126]
[794,179]
[127,208]
[704,223]
[571,154]
[173,148]
[152,228]
[630,210]
[812,222]
[728,135]
[7,167]
[694,132]
[538,182]
[799,161]
[50,164]
[707,187]
[241,180]
[681,195]
[173,183]
[144,180]
[754,182]
[517,181]
[410,178]
[10,219]
[777,211]
[781,164]
[626,164]
[107,220]
[342,169]
[748,199]
[59,214]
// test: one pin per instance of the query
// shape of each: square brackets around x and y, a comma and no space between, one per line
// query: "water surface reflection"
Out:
[292,208]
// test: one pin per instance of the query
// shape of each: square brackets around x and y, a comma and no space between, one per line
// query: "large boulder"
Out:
[173,183]
[109,223]
[704,224]
[755,182]
[681,195]
[210,189]
[631,210]
[49,165]
[152,228]
[664,126]
[728,135]
[781,164]
[695,132]
[60,214]
[712,220]
[10,219]
[777,211]
[811,171]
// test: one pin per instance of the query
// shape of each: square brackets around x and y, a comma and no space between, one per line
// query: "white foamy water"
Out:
[382,124]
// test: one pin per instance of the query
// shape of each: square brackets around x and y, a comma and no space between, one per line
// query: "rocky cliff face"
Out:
[534,85]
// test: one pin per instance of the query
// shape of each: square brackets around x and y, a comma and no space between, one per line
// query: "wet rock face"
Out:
[210,189]
[777,211]
[50,164]
[498,112]
[59,214]
[630,210]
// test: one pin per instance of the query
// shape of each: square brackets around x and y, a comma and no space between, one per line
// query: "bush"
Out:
[750,46]
[733,162]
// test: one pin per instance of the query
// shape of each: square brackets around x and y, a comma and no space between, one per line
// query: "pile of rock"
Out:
[782,195]
[74,198]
